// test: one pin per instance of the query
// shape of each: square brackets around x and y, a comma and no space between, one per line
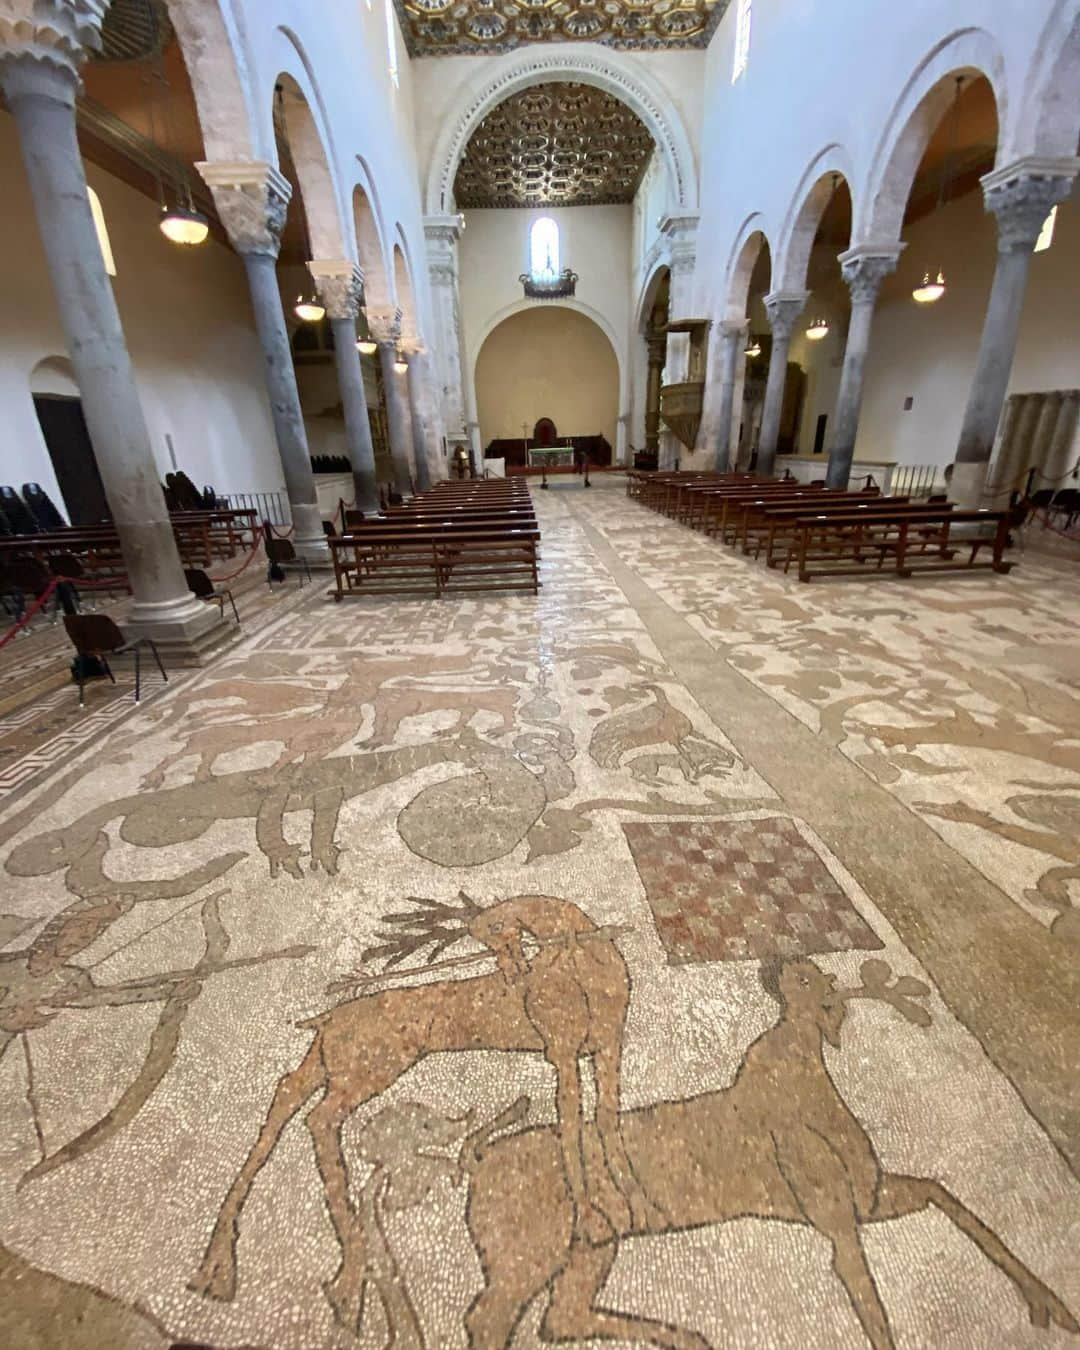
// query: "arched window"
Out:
[102,231]
[391,43]
[742,39]
[544,249]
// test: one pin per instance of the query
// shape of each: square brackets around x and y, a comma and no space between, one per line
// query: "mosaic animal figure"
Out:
[497,802]
[561,990]
[779,1143]
[656,723]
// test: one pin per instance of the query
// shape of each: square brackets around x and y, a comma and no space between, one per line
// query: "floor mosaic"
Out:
[466,974]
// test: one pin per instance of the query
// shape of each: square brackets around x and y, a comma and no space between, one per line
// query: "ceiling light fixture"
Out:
[930,290]
[308,309]
[184,225]
[367,346]
[754,349]
[817,330]
[400,364]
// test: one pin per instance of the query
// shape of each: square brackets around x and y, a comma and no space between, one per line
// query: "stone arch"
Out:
[1049,121]
[404,294]
[367,225]
[749,242]
[648,294]
[804,214]
[916,114]
[523,69]
[218,68]
[54,375]
[311,149]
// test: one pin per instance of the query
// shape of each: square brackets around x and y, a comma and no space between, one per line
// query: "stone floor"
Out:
[682,957]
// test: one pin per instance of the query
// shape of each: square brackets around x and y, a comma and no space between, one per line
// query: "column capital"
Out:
[731,328]
[251,197]
[1022,194]
[783,309]
[339,285]
[444,229]
[866,266]
[656,347]
[50,35]
[384,324]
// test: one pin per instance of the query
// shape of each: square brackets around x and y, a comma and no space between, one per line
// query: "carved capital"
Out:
[251,198]
[339,285]
[444,230]
[53,36]
[783,309]
[864,269]
[384,324]
[734,328]
[1022,194]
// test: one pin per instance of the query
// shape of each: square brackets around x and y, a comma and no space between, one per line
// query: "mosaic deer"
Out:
[561,990]
[780,1143]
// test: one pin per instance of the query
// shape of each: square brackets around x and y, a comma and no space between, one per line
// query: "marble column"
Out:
[416,381]
[732,351]
[251,198]
[40,59]
[783,309]
[339,285]
[442,234]
[385,328]
[1021,196]
[656,349]
[864,269]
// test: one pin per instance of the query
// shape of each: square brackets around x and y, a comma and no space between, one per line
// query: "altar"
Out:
[551,456]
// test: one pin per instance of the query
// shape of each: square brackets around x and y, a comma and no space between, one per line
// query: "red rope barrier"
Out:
[29,612]
[231,576]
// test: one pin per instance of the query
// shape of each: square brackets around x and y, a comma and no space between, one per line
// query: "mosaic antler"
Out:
[876,975]
[434,924]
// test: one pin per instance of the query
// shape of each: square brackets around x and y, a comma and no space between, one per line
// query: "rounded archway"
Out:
[548,361]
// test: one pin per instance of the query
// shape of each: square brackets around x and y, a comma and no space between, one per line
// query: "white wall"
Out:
[595,242]
[188,323]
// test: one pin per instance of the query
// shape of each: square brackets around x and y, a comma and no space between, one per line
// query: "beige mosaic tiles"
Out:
[337,1012]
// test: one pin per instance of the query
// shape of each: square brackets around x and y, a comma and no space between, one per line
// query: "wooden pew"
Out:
[901,531]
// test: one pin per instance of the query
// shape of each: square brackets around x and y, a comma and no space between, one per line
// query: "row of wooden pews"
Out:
[93,551]
[825,532]
[458,537]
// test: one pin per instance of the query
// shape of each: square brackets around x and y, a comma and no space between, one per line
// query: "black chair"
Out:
[14,508]
[96,636]
[281,555]
[201,585]
[1067,503]
[40,506]
[24,577]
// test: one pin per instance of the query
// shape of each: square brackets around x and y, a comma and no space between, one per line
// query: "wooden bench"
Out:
[902,532]
[433,557]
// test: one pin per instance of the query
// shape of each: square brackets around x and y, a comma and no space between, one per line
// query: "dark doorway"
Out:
[819,434]
[72,455]
[544,433]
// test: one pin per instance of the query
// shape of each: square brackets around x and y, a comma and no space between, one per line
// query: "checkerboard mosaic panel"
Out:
[742,890]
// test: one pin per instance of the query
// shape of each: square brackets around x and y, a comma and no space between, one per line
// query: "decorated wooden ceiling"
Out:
[446,27]
[554,145]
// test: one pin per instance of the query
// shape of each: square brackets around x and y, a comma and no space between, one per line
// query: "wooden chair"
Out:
[97,636]
[201,585]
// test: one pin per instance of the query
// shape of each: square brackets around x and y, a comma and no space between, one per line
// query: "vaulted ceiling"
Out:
[554,145]
[445,27]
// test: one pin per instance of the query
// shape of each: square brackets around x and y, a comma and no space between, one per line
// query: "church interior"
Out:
[540,674]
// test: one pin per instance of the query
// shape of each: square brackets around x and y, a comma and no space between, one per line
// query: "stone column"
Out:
[339,285]
[732,351]
[864,269]
[442,234]
[251,198]
[1020,195]
[41,52]
[783,309]
[385,326]
[656,348]
[417,379]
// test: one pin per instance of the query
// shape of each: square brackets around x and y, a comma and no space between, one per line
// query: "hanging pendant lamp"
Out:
[400,364]
[180,223]
[933,286]
[817,330]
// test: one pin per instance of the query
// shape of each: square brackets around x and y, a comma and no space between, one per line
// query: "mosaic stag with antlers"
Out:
[561,990]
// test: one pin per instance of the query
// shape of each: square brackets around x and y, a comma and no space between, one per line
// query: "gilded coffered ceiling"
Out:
[554,145]
[446,27]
